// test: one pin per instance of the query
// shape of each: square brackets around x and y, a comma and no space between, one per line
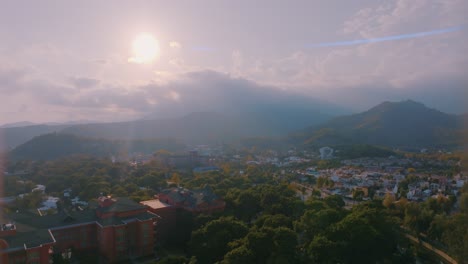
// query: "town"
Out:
[51,222]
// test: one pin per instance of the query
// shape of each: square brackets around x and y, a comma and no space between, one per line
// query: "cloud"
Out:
[237,62]
[100,61]
[83,82]
[175,44]
[387,38]
[360,76]
[431,69]
[189,92]
[209,90]
[10,78]
[394,17]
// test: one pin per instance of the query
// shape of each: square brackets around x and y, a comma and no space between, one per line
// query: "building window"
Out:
[67,254]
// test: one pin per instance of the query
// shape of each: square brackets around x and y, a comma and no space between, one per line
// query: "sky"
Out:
[74,60]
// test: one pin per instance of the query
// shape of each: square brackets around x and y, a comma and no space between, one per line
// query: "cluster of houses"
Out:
[378,177]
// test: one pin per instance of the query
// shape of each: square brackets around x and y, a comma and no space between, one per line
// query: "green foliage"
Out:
[273,221]
[324,182]
[264,221]
[464,203]
[239,255]
[89,177]
[388,124]
[173,260]
[210,243]
[265,245]
[417,217]
[365,235]
[31,200]
[334,201]
[14,185]
[58,145]
[455,236]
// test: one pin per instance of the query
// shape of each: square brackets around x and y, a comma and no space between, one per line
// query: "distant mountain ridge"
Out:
[406,123]
[58,145]
[393,124]
[18,124]
[196,127]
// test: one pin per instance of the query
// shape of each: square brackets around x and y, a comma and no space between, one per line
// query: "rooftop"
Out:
[155,204]
[29,239]
[121,204]
[32,229]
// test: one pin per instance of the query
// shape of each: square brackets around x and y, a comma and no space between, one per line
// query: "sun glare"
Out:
[145,48]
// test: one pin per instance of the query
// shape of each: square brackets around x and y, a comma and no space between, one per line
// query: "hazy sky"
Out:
[69,60]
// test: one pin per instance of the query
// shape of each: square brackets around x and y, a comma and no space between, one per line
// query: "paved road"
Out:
[429,247]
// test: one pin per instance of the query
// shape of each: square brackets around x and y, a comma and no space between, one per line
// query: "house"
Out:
[326,153]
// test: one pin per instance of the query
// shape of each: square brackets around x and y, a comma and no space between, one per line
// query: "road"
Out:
[429,247]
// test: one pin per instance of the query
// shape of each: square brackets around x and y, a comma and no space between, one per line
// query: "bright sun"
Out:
[145,49]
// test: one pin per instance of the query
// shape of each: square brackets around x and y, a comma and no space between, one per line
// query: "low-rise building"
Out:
[196,201]
[117,229]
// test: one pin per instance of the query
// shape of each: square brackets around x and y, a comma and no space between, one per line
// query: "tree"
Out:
[210,243]
[173,260]
[323,250]
[285,241]
[364,236]
[358,194]
[334,201]
[247,205]
[261,244]
[153,181]
[316,193]
[455,236]
[464,203]
[31,200]
[239,255]
[119,191]
[417,218]
[389,200]
[175,178]
[313,223]
[265,245]
[273,221]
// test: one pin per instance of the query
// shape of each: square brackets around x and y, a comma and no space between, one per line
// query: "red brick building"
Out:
[116,229]
[170,201]
[196,201]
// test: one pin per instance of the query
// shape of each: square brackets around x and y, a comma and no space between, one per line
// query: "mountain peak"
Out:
[404,123]
[405,105]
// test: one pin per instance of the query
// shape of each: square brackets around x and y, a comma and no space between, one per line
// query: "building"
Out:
[195,201]
[167,223]
[174,202]
[116,229]
[326,153]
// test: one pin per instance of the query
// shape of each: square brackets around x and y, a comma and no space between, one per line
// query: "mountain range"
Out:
[194,128]
[57,145]
[394,124]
